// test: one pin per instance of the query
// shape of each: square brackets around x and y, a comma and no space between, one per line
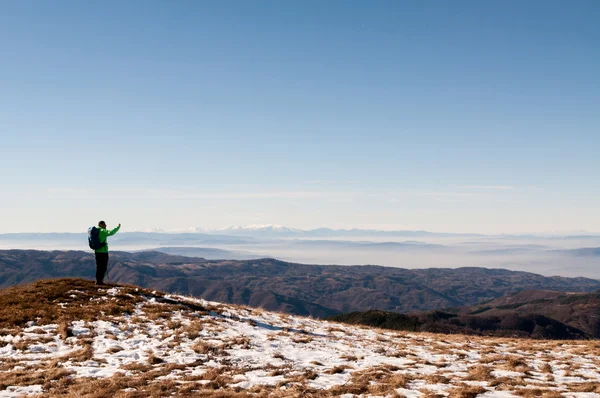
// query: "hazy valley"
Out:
[568,255]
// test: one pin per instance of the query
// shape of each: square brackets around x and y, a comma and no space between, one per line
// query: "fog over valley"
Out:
[568,255]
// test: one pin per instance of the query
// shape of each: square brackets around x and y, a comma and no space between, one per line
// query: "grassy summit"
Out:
[69,338]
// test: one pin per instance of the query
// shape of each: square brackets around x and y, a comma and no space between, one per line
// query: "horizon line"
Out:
[257,228]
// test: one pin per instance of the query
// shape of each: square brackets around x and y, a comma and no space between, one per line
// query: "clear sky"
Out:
[462,116]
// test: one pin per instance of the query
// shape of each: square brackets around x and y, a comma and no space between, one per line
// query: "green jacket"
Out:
[102,235]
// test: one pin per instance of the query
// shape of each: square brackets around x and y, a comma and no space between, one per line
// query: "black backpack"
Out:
[94,239]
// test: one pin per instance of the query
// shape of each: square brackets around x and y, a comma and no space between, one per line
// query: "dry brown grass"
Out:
[271,337]
[138,320]
[114,349]
[552,394]
[37,331]
[154,360]
[361,382]
[155,312]
[466,391]
[193,330]
[509,382]
[302,340]
[81,355]
[173,324]
[218,382]
[493,358]
[529,392]
[64,329]
[8,364]
[430,394]
[243,341]
[437,379]
[112,387]
[136,367]
[299,379]
[584,387]
[354,389]
[38,302]
[22,345]
[515,363]
[28,377]
[175,341]
[337,369]
[537,392]
[390,383]
[480,373]
[278,372]
[399,354]
[202,347]
[547,368]
[210,374]
[488,350]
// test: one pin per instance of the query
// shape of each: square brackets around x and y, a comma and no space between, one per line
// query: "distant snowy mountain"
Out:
[282,231]
[151,229]
[191,230]
[232,230]
[187,230]
[275,230]
[256,228]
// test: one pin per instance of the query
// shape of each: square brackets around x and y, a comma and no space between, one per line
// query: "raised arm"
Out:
[114,230]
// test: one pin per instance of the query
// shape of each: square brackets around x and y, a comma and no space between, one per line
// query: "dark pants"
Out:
[101,265]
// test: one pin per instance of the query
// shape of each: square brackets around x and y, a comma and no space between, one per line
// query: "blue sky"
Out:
[463,116]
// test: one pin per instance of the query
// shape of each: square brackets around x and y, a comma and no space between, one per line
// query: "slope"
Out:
[65,337]
[532,313]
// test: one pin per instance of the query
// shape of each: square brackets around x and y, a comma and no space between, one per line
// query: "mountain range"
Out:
[276,230]
[565,256]
[316,290]
[281,230]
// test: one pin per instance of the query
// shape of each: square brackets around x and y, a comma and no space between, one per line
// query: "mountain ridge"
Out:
[316,290]
[540,314]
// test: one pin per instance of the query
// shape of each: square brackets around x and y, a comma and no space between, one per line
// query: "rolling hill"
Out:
[316,290]
[531,313]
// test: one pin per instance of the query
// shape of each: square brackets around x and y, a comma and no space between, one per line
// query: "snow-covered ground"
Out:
[180,346]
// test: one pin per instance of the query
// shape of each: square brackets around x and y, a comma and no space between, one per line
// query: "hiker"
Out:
[102,252]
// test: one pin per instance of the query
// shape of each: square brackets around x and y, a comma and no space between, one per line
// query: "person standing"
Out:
[102,253]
